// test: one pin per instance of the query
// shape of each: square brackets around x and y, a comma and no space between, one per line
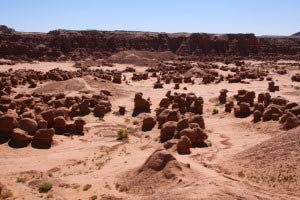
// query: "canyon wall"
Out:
[63,44]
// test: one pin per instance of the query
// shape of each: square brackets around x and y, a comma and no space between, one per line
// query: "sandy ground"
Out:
[98,159]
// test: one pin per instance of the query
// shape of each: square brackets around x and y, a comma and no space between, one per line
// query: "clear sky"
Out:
[262,17]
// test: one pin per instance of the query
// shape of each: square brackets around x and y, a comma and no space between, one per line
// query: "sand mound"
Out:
[273,163]
[160,172]
[141,58]
[71,85]
[195,72]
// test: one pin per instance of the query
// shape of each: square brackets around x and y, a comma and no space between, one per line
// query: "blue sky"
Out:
[262,17]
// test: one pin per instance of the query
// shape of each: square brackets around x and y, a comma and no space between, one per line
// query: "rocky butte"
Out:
[74,45]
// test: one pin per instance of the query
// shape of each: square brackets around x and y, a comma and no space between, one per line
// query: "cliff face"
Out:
[279,45]
[229,44]
[62,44]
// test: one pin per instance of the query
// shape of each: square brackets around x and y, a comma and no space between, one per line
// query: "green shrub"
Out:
[215,111]
[21,180]
[208,143]
[135,122]
[45,187]
[122,134]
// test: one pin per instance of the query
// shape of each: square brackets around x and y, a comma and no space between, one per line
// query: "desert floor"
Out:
[95,165]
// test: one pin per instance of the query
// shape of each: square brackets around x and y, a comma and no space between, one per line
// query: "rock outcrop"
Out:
[64,44]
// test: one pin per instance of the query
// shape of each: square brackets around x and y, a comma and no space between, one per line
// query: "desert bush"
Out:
[215,111]
[135,122]
[122,134]
[208,143]
[45,187]
[21,180]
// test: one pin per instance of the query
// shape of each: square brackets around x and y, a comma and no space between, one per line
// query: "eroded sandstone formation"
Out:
[65,45]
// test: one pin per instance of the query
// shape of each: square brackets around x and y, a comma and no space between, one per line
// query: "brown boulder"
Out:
[59,124]
[20,138]
[182,124]
[48,116]
[122,110]
[242,110]
[165,103]
[291,122]
[99,111]
[184,145]
[196,136]
[167,131]
[43,138]
[42,124]
[29,125]
[148,124]
[229,106]
[167,115]
[257,116]
[198,119]
[7,123]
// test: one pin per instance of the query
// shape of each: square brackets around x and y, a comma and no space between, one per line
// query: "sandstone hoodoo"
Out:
[184,145]
[223,96]
[140,104]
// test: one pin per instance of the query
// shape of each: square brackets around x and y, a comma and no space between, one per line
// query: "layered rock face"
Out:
[279,45]
[64,44]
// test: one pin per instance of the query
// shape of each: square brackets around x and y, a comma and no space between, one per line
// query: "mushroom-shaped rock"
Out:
[140,104]
[229,106]
[257,116]
[196,136]
[167,131]
[182,124]
[199,120]
[59,124]
[122,110]
[165,103]
[184,145]
[99,110]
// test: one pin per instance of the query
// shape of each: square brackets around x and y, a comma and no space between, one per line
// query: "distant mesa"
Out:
[296,34]
[6,30]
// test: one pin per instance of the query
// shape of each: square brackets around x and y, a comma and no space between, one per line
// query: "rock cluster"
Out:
[245,100]
[35,118]
[174,124]
[296,78]
[266,108]
[272,87]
